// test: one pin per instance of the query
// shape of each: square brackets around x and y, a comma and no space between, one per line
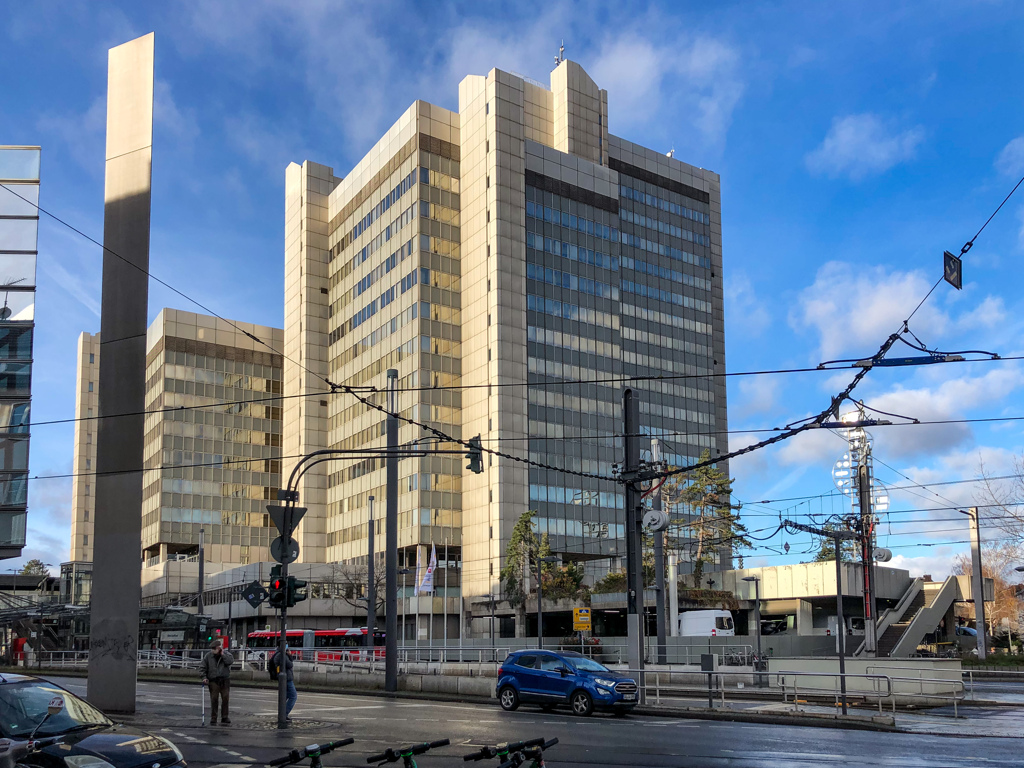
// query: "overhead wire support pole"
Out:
[391,540]
[867,555]
[837,539]
[634,539]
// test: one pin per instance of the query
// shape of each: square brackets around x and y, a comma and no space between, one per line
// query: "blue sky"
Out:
[856,142]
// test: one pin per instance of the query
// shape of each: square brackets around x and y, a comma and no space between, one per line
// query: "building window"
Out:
[86,518]
[491,573]
[488,318]
[488,182]
[85,540]
[487,111]
[92,358]
[490,497]
[487,146]
[90,386]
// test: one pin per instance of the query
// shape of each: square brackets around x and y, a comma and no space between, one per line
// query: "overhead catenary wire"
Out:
[164,283]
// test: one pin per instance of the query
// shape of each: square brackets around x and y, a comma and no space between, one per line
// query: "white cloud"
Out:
[862,145]
[743,306]
[937,565]
[80,133]
[1011,158]
[854,307]
[690,75]
[171,121]
[758,395]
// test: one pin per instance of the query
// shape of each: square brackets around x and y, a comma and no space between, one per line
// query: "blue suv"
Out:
[551,678]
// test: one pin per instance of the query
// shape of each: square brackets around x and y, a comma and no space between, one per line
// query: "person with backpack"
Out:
[216,672]
[275,673]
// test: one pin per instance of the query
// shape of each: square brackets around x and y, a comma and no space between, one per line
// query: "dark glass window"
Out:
[15,379]
[15,342]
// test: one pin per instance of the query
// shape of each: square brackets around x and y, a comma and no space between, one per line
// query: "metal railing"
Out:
[796,688]
[993,674]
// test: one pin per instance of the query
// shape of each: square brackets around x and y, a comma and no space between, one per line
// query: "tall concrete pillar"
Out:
[117,567]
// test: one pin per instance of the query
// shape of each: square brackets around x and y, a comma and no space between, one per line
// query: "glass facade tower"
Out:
[19,223]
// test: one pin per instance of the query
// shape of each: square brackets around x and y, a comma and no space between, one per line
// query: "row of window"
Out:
[14,490]
[558,494]
[572,252]
[360,317]
[657,316]
[665,250]
[212,517]
[571,341]
[376,274]
[557,370]
[650,292]
[206,488]
[582,529]
[574,403]
[567,311]
[222,378]
[391,230]
[661,226]
[565,219]
[389,327]
[629,193]
[382,207]
[669,342]
[680,414]
[572,282]
[628,262]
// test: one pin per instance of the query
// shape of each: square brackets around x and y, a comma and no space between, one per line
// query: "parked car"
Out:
[32,706]
[967,631]
[566,677]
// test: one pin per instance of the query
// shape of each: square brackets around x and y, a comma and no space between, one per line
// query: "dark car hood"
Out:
[119,746]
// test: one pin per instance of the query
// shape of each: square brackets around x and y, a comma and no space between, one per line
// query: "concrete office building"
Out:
[212,468]
[19,224]
[494,256]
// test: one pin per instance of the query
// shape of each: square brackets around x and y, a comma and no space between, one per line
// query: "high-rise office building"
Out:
[515,262]
[19,224]
[215,463]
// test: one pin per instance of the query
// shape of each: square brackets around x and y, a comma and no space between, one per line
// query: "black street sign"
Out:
[284,553]
[254,594]
[285,518]
[952,270]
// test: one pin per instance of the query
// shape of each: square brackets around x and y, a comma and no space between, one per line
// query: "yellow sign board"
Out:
[581,620]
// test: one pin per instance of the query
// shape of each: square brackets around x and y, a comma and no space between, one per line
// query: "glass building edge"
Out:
[19,167]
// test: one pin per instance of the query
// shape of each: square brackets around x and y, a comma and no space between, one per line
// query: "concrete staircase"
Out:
[895,631]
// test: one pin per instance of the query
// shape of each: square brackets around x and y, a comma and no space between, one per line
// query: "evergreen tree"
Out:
[849,549]
[34,568]
[712,520]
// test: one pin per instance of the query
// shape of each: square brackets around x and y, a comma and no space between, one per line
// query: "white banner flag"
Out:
[427,583]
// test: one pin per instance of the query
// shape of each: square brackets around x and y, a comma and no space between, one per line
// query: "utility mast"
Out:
[853,476]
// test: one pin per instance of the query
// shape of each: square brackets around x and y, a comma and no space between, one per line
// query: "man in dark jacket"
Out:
[216,672]
[275,669]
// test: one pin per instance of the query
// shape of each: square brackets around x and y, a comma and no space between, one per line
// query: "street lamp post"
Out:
[540,598]
[757,622]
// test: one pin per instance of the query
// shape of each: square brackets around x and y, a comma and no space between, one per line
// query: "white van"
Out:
[706,624]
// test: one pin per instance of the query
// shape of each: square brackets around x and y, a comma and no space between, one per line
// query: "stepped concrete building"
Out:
[497,257]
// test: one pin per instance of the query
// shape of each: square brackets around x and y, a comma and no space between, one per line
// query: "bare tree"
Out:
[998,562]
[349,586]
[1001,504]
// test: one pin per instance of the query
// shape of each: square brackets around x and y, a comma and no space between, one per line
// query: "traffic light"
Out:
[475,455]
[296,591]
[277,589]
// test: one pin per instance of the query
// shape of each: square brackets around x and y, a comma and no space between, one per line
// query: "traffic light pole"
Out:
[282,641]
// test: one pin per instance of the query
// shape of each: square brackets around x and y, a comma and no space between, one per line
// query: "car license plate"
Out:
[629,697]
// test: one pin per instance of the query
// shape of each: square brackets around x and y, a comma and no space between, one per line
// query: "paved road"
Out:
[377,722]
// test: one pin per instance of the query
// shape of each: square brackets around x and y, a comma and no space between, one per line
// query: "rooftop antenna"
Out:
[671,152]
[561,54]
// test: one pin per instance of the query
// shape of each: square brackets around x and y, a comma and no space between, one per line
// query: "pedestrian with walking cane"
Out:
[216,672]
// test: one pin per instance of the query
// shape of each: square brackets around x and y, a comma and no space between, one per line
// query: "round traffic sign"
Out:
[284,553]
